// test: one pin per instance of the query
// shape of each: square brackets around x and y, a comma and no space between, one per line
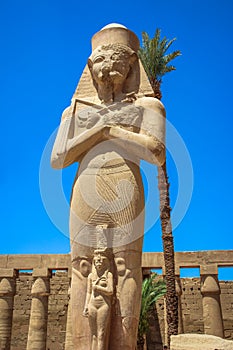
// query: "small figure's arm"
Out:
[88,296]
[108,290]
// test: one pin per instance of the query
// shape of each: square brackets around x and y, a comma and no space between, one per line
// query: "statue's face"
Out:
[100,261]
[109,64]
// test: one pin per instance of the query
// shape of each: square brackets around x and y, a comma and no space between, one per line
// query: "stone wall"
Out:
[192,312]
[56,270]
[227,307]
[57,311]
[21,313]
[191,301]
[192,309]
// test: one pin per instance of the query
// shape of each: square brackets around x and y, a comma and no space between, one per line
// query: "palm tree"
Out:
[153,288]
[155,60]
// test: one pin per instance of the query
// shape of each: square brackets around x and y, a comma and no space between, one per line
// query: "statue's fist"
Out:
[92,120]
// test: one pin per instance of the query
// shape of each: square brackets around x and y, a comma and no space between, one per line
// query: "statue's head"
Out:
[114,63]
[111,63]
[101,259]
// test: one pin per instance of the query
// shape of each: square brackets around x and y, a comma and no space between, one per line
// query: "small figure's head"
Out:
[100,260]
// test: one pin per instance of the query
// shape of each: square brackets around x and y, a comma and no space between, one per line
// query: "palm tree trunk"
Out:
[156,84]
[140,342]
[168,250]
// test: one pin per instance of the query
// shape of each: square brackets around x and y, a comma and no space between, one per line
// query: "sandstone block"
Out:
[199,342]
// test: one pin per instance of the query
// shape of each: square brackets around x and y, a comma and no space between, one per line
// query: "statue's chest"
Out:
[101,282]
[126,115]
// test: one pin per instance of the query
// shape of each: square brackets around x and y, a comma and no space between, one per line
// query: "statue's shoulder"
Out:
[65,113]
[151,103]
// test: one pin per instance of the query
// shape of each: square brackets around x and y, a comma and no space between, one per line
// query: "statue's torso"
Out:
[110,153]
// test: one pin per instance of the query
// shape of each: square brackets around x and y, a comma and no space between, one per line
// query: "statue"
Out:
[112,123]
[99,300]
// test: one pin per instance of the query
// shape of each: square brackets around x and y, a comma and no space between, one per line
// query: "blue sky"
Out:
[44,48]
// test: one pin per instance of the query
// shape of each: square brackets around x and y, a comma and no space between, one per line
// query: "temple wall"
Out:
[57,310]
[23,272]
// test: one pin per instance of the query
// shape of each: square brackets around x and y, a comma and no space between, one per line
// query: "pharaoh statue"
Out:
[113,122]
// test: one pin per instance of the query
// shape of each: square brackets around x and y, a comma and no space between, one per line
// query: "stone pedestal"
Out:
[7,292]
[212,312]
[39,311]
[199,342]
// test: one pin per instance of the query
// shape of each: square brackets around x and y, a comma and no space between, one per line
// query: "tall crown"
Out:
[115,33]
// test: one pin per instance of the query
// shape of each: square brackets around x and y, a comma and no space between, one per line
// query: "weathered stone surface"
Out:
[57,311]
[149,260]
[41,272]
[108,131]
[37,333]
[212,311]
[199,342]
[98,304]
[69,345]
[191,259]
[6,272]
[7,290]
[191,300]
[31,261]
[191,305]
[21,313]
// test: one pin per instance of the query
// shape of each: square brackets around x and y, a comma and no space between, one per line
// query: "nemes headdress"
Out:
[111,34]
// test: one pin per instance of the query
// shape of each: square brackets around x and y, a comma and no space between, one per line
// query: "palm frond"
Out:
[171,56]
[154,58]
[169,43]
[153,288]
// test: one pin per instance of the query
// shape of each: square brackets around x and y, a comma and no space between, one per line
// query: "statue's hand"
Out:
[110,132]
[92,120]
[117,132]
[95,288]
[85,312]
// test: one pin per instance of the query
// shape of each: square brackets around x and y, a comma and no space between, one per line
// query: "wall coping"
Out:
[221,258]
